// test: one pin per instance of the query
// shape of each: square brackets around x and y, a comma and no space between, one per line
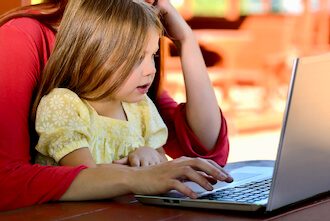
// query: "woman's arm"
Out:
[115,180]
[23,52]
[111,180]
[202,111]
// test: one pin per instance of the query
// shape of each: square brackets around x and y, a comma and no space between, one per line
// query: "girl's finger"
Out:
[134,161]
[144,162]
[123,161]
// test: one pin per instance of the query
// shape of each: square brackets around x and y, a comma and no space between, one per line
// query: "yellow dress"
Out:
[66,123]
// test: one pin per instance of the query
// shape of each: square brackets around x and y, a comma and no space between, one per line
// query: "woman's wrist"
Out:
[132,179]
[101,183]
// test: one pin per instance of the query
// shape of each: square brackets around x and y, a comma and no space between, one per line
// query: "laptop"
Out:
[301,168]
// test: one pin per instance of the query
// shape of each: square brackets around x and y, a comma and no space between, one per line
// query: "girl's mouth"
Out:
[143,89]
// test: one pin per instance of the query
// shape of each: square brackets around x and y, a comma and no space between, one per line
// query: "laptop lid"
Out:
[302,165]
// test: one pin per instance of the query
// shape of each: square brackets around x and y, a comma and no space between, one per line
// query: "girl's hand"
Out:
[143,156]
[176,27]
[169,176]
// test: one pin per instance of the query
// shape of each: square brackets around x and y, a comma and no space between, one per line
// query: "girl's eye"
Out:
[155,55]
[140,59]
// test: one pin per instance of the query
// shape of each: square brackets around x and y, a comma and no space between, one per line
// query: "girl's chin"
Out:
[134,99]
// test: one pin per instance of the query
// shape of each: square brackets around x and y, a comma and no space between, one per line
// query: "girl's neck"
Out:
[112,109]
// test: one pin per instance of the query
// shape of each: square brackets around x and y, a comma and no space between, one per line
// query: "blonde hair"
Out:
[96,38]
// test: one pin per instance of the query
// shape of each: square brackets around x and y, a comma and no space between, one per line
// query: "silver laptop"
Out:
[302,163]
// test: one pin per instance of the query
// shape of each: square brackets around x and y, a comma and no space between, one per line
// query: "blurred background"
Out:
[248,47]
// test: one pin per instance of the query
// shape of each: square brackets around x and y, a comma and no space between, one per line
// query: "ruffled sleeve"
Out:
[62,124]
[182,141]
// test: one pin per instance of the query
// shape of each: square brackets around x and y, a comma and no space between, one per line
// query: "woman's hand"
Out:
[169,176]
[143,156]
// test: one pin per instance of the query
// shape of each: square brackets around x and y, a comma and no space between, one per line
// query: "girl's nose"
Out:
[150,69]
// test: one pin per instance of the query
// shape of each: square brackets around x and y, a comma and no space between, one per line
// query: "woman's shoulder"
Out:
[25,24]
[28,27]
[22,21]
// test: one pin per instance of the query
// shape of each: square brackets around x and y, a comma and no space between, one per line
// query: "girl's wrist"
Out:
[186,38]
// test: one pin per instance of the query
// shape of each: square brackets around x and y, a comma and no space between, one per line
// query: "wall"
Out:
[6,5]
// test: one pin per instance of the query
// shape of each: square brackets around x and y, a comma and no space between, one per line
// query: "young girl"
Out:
[27,36]
[95,109]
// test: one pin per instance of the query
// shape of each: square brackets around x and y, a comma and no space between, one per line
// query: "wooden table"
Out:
[127,208]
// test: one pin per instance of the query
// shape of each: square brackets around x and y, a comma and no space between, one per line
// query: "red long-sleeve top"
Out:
[25,46]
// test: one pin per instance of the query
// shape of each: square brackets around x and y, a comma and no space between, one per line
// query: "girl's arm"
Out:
[182,141]
[202,111]
[78,157]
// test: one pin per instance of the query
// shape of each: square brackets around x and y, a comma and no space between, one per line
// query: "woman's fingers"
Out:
[211,169]
[182,188]
[193,175]
[229,177]
[209,178]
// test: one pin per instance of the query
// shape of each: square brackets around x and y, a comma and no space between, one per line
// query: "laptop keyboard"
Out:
[245,193]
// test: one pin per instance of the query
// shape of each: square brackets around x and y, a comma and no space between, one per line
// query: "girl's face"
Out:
[142,75]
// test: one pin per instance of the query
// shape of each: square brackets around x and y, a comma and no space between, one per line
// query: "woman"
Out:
[25,46]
